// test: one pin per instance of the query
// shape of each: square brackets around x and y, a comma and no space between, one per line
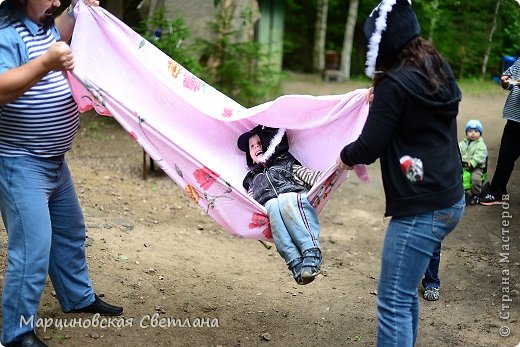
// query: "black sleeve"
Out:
[384,115]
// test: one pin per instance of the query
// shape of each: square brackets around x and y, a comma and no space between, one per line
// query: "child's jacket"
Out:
[274,178]
[474,152]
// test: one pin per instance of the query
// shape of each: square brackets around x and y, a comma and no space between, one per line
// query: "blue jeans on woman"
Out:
[46,234]
[408,247]
[294,225]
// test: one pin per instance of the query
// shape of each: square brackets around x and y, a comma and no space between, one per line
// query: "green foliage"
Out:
[510,23]
[300,17]
[461,32]
[169,36]
[240,69]
[338,11]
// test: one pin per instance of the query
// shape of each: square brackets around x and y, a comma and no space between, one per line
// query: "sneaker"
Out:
[296,268]
[431,293]
[490,199]
[311,265]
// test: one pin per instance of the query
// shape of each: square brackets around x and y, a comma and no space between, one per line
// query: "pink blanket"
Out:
[190,129]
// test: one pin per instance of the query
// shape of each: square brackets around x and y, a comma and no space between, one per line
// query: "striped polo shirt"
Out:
[512,104]
[44,120]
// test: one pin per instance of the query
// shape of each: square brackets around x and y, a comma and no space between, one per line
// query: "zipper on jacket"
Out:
[270,182]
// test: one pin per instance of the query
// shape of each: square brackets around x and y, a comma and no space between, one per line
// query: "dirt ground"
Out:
[152,250]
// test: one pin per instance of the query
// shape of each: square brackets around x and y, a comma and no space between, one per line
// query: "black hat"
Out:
[390,26]
[243,140]
[273,140]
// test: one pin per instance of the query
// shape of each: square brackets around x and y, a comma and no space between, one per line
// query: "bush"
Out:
[169,36]
[239,69]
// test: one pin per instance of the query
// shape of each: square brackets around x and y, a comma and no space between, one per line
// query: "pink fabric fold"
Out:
[190,129]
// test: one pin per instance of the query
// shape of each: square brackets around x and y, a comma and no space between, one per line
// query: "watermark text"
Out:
[97,321]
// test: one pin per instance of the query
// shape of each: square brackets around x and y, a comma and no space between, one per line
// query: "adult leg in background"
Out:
[431,275]
[508,154]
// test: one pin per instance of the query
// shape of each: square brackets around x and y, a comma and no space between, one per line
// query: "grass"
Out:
[300,83]
[479,87]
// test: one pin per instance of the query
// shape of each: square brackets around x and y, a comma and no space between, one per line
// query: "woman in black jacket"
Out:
[412,129]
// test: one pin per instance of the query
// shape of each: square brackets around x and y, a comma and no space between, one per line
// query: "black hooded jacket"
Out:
[406,119]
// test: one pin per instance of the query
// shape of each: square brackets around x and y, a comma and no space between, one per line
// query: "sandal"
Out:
[431,293]
[296,267]
[311,265]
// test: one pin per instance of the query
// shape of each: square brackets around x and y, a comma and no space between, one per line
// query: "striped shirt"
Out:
[44,120]
[512,104]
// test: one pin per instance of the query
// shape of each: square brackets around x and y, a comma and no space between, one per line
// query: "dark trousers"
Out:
[507,155]
[431,276]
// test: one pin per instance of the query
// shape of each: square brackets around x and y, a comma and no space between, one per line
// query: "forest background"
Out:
[472,35]
[478,38]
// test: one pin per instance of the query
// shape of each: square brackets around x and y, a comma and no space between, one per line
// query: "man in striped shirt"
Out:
[38,202]
[496,192]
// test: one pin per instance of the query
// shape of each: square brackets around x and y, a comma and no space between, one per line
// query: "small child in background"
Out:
[279,182]
[474,159]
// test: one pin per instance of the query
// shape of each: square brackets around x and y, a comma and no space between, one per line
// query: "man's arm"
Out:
[65,22]
[16,81]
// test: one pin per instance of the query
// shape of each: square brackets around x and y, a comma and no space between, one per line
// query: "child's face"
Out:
[255,148]
[473,134]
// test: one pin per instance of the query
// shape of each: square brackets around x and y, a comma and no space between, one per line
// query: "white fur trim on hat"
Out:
[275,141]
[373,45]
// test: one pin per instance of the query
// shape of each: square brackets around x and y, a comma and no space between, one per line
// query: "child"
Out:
[279,182]
[474,158]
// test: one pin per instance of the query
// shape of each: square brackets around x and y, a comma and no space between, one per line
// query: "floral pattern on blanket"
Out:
[325,189]
[260,220]
[174,68]
[205,177]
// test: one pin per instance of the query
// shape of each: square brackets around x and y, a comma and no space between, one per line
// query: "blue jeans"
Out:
[431,276]
[408,247]
[294,225]
[46,234]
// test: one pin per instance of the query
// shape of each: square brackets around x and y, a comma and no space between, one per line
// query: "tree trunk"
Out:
[320,30]
[490,40]
[346,53]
